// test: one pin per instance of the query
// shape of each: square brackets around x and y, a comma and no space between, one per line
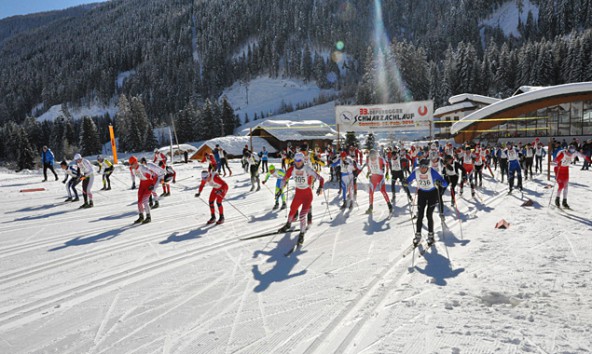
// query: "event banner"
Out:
[397,116]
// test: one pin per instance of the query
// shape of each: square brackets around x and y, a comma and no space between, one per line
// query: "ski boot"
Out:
[431,240]
[565,205]
[283,206]
[417,239]
[104,188]
[390,207]
[168,194]
[220,220]
[90,204]
[284,228]
[75,199]
[69,199]
[344,205]
[461,191]
[252,188]
[351,204]
[258,189]
[163,194]
[140,219]
[147,219]
[275,206]
[441,216]
[557,202]
[108,188]
[212,220]
[56,177]
[156,205]
[473,193]
[300,239]
[83,206]
[369,211]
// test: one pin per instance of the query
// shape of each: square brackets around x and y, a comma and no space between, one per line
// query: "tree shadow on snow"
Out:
[438,267]
[283,265]
[371,226]
[81,241]
[190,235]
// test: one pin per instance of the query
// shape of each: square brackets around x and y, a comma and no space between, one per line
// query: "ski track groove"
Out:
[22,313]
[96,252]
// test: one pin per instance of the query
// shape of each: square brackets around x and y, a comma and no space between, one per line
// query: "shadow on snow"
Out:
[282,267]
[438,267]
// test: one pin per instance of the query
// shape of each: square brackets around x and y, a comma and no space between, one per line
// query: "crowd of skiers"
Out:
[432,168]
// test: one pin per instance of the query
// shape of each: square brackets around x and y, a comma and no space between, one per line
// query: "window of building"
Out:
[576,117]
[563,118]
[587,118]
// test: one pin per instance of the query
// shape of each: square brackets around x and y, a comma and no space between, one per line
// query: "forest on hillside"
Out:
[184,53]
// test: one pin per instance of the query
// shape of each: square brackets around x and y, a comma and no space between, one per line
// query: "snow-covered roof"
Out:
[285,130]
[524,89]
[181,147]
[233,145]
[453,108]
[518,100]
[473,98]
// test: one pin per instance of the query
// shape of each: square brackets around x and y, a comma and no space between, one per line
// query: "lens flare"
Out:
[388,74]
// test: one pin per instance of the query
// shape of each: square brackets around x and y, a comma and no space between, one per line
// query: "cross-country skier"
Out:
[468,162]
[514,156]
[429,182]
[395,160]
[148,179]
[73,172]
[528,153]
[253,162]
[301,173]
[87,176]
[47,159]
[539,154]
[451,175]
[279,191]
[348,168]
[219,189]
[160,176]
[376,169]
[563,159]
[107,167]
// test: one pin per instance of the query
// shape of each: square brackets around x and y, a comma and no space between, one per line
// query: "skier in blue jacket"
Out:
[47,159]
[430,184]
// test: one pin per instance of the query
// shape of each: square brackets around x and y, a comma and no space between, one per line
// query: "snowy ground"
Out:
[88,281]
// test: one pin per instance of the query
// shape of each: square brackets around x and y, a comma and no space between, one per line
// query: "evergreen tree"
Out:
[351,139]
[89,138]
[228,117]
[24,151]
[370,142]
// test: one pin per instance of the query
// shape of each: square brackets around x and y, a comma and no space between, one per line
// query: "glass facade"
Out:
[566,119]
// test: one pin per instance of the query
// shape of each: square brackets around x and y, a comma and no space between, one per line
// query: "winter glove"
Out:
[151,187]
[319,190]
[387,175]
[438,183]
[197,195]
[82,178]
[64,181]
[263,182]
[219,192]
[368,174]
[134,185]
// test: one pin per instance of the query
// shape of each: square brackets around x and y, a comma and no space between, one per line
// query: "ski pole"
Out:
[232,205]
[327,202]
[268,189]
[287,190]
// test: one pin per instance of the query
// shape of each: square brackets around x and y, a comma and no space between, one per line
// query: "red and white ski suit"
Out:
[147,179]
[219,190]
[376,168]
[303,191]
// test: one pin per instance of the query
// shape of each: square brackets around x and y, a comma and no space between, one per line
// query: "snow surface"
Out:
[88,281]
[508,16]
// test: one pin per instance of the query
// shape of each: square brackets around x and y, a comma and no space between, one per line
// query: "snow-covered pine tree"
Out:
[351,139]
[25,152]
[228,117]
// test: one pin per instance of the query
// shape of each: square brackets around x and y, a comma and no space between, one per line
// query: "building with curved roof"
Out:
[562,111]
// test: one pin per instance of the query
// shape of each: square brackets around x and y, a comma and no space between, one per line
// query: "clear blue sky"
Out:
[21,7]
